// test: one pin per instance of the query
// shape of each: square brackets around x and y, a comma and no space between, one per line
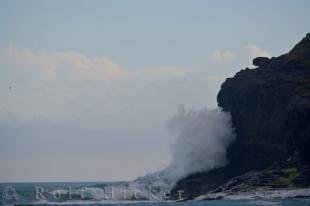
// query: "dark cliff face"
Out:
[270,108]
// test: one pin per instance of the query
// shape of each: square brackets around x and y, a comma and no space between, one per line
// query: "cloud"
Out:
[70,85]
[81,67]
[256,51]
[218,56]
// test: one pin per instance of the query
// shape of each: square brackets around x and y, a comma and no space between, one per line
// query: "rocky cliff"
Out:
[270,109]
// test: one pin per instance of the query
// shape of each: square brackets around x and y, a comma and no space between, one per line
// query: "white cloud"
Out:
[218,56]
[66,85]
[256,51]
[81,67]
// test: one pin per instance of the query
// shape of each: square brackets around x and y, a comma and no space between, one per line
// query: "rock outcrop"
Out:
[270,109]
[261,61]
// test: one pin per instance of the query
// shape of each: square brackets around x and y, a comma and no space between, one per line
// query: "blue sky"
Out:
[94,82]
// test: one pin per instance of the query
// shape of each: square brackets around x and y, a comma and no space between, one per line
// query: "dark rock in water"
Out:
[270,109]
[197,184]
[272,177]
[261,61]
[275,178]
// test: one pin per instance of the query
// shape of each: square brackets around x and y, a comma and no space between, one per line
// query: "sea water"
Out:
[94,194]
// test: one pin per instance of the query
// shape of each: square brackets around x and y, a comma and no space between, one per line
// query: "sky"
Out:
[87,87]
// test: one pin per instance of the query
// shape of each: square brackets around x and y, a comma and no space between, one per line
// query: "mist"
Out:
[201,140]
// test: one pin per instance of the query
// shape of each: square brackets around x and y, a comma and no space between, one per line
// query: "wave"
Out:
[201,139]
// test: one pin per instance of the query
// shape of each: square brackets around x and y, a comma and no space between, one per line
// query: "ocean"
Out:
[100,193]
